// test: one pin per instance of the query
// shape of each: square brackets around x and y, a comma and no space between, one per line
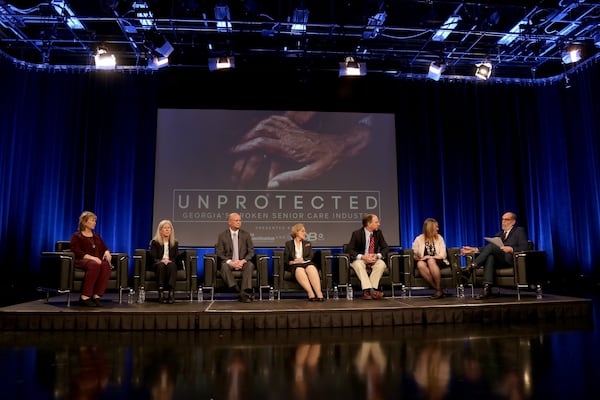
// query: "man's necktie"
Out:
[505,236]
[371,247]
[236,253]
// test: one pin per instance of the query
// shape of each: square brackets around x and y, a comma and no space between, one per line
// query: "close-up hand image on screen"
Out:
[276,169]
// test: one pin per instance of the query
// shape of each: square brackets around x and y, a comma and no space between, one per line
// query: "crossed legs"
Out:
[430,271]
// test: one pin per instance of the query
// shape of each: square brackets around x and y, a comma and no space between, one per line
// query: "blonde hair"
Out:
[429,228]
[84,217]
[158,236]
[295,229]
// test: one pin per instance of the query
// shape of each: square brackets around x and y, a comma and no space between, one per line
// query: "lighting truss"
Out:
[62,8]
[299,21]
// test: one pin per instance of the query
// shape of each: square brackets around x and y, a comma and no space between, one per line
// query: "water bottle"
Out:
[141,295]
[130,296]
[349,293]
[460,293]
[336,294]
[200,294]
[538,292]
[271,293]
[403,292]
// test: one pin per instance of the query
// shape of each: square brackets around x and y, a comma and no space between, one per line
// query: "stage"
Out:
[225,313]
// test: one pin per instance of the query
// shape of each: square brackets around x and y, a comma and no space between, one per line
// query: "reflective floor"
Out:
[501,361]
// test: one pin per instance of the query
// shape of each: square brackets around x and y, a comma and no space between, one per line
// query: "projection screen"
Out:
[276,169]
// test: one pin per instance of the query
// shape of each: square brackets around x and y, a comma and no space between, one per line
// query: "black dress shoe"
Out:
[312,299]
[320,299]
[486,293]
[97,302]
[87,302]
[244,298]
[171,299]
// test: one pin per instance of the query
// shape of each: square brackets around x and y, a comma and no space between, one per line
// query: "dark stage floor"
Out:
[226,313]
[412,348]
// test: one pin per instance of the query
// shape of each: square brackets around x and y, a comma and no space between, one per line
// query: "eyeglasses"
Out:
[507,219]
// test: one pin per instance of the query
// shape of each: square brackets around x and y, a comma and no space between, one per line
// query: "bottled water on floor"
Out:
[200,294]
[349,293]
[130,296]
[461,291]
[271,293]
[336,293]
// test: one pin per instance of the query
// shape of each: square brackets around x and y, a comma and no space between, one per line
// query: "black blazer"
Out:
[156,252]
[358,242]
[224,246]
[517,239]
[289,254]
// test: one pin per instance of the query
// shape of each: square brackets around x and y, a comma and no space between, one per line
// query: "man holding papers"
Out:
[499,250]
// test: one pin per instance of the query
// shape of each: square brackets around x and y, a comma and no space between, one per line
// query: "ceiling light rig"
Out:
[299,21]
[350,67]
[104,60]
[483,70]
[436,69]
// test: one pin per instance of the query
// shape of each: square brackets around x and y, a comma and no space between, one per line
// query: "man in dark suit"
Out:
[514,238]
[235,251]
[368,256]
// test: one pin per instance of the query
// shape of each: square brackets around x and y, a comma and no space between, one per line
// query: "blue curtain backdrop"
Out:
[467,152]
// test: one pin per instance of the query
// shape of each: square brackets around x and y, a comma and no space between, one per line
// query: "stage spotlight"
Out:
[571,54]
[350,67]
[484,70]
[219,63]
[104,60]
[165,48]
[158,62]
[436,68]
[299,21]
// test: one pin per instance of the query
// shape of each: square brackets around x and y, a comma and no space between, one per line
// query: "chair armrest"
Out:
[343,268]
[278,269]
[139,268]
[120,263]
[531,267]
[193,271]
[56,270]
[262,267]
[407,267]
[393,263]
[210,270]
[324,258]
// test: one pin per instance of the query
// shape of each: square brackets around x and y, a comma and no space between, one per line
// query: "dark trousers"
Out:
[96,277]
[166,275]
[491,257]
[230,279]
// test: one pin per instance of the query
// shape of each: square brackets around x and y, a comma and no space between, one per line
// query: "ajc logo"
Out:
[314,236]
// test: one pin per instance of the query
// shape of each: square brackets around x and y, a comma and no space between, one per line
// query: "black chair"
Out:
[391,276]
[414,280]
[529,271]
[144,277]
[58,273]
[214,281]
[284,281]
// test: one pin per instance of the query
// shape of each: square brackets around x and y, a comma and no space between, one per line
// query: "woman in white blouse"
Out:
[163,250]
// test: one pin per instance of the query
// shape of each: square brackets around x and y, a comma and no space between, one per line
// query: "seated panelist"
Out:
[298,258]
